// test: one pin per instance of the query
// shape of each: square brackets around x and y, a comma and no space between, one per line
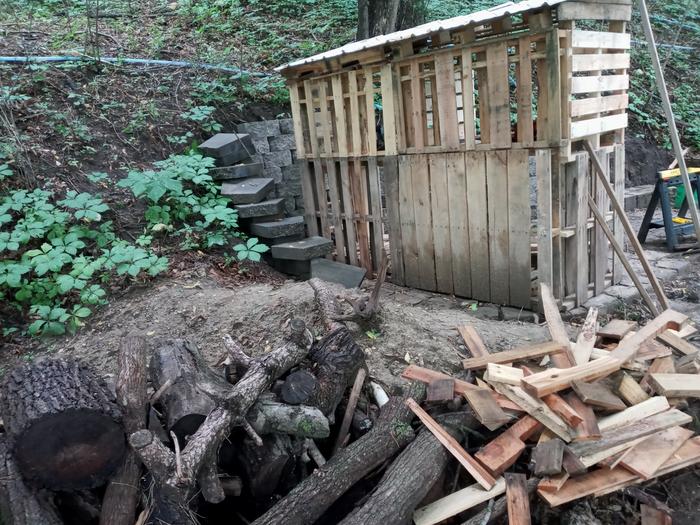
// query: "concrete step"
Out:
[337,272]
[303,250]
[248,191]
[283,240]
[228,148]
[239,171]
[261,209]
[301,269]
[281,228]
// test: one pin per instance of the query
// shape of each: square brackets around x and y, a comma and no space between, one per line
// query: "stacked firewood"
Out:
[299,436]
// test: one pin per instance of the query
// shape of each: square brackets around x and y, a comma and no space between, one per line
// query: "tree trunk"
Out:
[380,17]
[271,417]
[63,425]
[18,504]
[313,496]
[410,476]
[122,495]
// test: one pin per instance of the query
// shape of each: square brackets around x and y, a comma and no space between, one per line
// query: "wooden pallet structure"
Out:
[428,138]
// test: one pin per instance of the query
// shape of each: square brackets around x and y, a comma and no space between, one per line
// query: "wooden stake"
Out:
[350,410]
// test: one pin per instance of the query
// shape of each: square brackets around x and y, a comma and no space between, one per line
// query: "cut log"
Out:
[64,426]
[20,505]
[298,387]
[313,496]
[263,467]
[410,476]
[268,416]
[122,495]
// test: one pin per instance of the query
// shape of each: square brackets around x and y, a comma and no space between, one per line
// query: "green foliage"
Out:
[202,115]
[250,250]
[58,253]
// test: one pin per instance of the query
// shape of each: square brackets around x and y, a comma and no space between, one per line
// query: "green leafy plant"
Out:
[250,250]
[202,115]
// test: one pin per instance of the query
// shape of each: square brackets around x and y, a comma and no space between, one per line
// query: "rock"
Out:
[281,228]
[286,126]
[261,129]
[239,171]
[304,250]
[282,143]
[248,191]
[228,148]
[301,269]
[336,272]
[278,158]
[270,207]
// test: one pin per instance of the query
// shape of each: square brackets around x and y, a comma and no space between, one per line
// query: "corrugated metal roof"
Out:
[479,17]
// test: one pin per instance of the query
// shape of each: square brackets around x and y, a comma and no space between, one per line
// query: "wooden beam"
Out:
[653,405]
[628,347]
[478,472]
[457,502]
[666,104]
[588,11]
[629,230]
[517,354]
[473,341]
[676,385]
[517,499]
[556,379]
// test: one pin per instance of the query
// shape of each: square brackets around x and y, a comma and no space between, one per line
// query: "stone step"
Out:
[303,250]
[248,191]
[281,228]
[239,171]
[261,209]
[337,272]
[228,148]
[282,240]
[301,269]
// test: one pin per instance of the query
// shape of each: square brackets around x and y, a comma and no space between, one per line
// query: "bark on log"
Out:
[63,425]
[20,505]
[263,467]
[271,417]
[410,476]
[313,496]
[122,495]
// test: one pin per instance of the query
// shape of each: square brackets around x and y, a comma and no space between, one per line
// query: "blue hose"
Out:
[139,61]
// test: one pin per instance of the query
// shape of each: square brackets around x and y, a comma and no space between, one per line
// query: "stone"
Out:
[239,171]
[282,143]
[286,126]
[300,269]
[292,172]
[290,205]
[248,191]
[304,250]
[274,172]
[283,240]
[336,272]
[624,293]
[261,146]
[228,148]
[261,129]
[260,209]
[282,228]
[277,158]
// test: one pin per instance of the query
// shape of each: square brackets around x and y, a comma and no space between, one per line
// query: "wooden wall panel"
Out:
[407,216]
[439,202]
[497,199]
[420,176]
[478,225]
[519,228]
[458,197]
[393,218]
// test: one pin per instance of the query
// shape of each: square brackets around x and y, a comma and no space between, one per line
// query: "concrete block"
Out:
[270,207]
[261,129]
[277,158]
[261,146]
[283,240]
[282,142]
[286,126]
[239,171]
[292,172]
[274,172]
[336,272]
[228,148]
[290,205]
[300,269]
[304,250]
[248,191]
[282,228]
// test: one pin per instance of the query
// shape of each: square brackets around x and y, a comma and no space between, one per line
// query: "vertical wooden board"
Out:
[439,203]
[543,163]
[393,218]
[524,91]
[389,110]
[417,106]
[447,106]
[322,196]
[542,94]
[296,117]
[519,227]
[355,116]
[424,224]
[553,88]
[497,199]
[570,244]
[468,99]
[311,116]
[499,103]
[335,210]
[475,162]
[484,105]
[602,245]
[517,499]
[619,185]
[307,190]
[359,199]
[435,104]
[375,201]
[582,185]
[407,219]
[565,75]
[557,259]
[459,223]
[339,115]
[326,123]
[369,106]
[348,212]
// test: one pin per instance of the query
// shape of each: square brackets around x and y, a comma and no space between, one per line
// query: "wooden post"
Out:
[666,103]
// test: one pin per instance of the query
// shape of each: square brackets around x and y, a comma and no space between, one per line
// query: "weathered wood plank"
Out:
[588,106]
[517,354]
[439,203]
[547,458]
[676,385]
[517,499]
[478,225]
[588,11]
[543,170]
[457,502]
[519,228]
[468,99]
[600,39]
[389,110]
[447,100]
[348,211]
[497,189]
[499,104]
[585,128]
[408,222]
[524,91]
[599,62]
[645,458]
[424,223]
[458,205]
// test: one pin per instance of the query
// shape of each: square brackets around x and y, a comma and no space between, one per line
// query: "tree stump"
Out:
[63,425]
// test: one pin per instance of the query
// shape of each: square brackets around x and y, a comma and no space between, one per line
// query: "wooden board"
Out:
[441,389]
[662,365]
[653,516]
[563,410]
[446,100]
[457,502]
[556,327]
[588,428]
[645,458]
[556,379]
[628,348]
[473,341]
[424,224]
[543,169]
[676,385]
[499,105]
[407,217]
[458,204]
[586,338]
[517,499]
[630,391]
[588,11]
[475,163]
[391,193]
[504,450]
[440,217]
[524,91]
[589,106]
[486,409]
[547,458]
[348,212]
[598,395]
[617,329]
[674,341]
[517,354]
[480,475]
[497,188]
[506,375]
[518,211]
[653,405]
[600,39]
[598,62]
[586,128]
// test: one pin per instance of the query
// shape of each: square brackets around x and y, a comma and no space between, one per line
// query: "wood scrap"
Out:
[598,395]
[457,502]
[616,329]
[503,374]
[473,341]
[662,365]
[653,405]
[442,389]
[676,385]
[653,516]
[627,349]
[556,379]
[645,458]
[630,391]
[572,464]
[669,338]
[501,452]
[517,354]
[486,408]
[518,499]
[651,349]
[547,458]
[588,428]
[586,338]
[688,364]
[556,328]
[553,483]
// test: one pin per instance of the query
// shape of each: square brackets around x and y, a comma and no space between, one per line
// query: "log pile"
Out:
[299,435]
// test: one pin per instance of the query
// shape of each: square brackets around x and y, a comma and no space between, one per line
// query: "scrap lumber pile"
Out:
[604,412]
